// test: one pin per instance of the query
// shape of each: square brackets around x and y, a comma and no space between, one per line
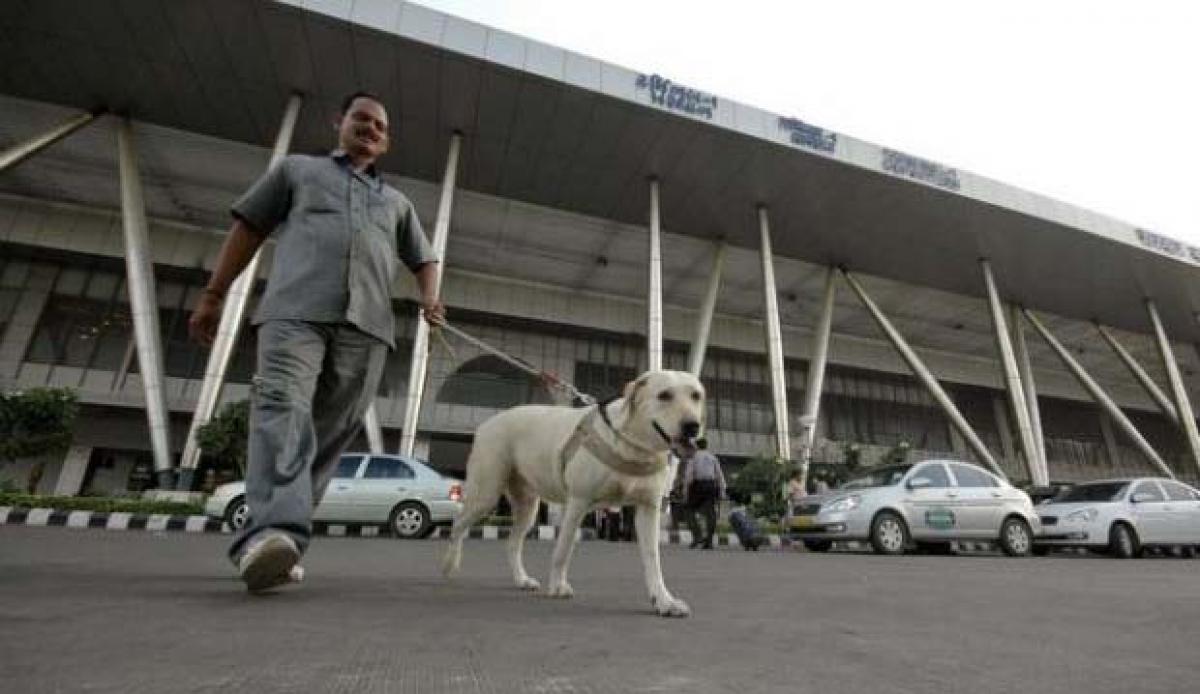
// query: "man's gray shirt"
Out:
[340,235]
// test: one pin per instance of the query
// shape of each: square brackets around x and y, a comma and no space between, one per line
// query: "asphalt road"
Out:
[100,611]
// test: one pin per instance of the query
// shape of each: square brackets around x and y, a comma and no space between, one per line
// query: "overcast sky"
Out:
[1090,102]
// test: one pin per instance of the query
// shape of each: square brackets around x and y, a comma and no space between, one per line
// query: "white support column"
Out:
[816,376]
[927,379]
[654,329]
[1029,386]
[74,469]
[774,335]
[236,301]
[704,325]
[1183,406]
[372,429]
[1012,380]
[1156,393]
[1099,395]
[139,268]
[420,352]
[23,150]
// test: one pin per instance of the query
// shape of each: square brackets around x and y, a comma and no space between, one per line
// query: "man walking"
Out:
[705,486]
[325,324]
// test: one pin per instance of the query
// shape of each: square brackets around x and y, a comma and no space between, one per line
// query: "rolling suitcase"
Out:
[746,529]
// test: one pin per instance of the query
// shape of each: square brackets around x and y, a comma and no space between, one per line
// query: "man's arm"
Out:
[431,304]
[242,242]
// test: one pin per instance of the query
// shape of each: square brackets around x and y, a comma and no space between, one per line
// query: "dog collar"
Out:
[588,437]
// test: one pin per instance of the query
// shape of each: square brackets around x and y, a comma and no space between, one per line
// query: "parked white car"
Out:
[925,505]
[1122,516]
[406,494]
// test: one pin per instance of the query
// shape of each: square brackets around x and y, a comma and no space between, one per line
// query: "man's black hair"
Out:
[349,101]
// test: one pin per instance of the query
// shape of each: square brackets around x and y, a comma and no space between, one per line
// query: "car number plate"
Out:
[803,522]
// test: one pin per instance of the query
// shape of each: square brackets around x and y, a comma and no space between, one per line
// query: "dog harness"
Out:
[588,437]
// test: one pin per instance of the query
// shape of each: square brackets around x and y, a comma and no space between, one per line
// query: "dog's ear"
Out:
[631,391]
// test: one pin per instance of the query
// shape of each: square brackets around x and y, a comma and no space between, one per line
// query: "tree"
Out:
[36,423]
[224,437]
[760,484]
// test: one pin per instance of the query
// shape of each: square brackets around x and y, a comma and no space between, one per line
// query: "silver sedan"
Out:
[407,495]
[926,504]
[1123,516]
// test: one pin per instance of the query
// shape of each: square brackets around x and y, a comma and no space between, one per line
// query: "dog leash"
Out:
[545,376]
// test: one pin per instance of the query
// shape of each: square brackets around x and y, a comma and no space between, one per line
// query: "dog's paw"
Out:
[528,583]
[562,590]
[671,607]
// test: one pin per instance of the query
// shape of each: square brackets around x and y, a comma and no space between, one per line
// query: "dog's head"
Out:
[671,405]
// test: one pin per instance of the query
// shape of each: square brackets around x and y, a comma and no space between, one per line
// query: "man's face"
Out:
[363,129]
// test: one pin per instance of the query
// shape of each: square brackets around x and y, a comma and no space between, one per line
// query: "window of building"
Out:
[489,381]
[86,322]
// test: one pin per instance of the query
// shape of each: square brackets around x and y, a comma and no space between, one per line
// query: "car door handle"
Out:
[342,487]
[402,489]
[952,495]
[996,495]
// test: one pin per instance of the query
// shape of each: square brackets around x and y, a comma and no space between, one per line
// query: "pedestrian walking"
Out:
[705,485]
[325,324]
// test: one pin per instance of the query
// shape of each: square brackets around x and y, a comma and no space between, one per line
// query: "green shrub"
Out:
[101,504]
[34,424]
[224,437]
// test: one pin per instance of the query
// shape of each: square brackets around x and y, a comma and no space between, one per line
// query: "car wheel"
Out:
[1122,542]
[1015,537]
[889,533]
[410,520]
[818,545]
[237,513]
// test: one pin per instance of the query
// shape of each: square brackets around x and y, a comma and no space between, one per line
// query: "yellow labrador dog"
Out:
[611,453]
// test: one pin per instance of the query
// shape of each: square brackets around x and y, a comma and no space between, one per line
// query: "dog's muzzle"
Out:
[685,444]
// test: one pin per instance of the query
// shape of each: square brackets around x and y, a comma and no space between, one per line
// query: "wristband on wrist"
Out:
[209,290]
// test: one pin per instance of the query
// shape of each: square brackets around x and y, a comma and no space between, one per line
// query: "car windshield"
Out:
[1097,491]
[879,477]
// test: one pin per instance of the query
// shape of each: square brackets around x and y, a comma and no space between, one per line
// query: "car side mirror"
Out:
[1141,497]
[919,483]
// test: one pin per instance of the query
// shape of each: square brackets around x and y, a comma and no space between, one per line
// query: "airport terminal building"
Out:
[593,221]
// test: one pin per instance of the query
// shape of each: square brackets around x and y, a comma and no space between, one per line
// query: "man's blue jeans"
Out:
[313,385]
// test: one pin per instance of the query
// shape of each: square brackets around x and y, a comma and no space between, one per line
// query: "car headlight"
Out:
[1083,515]
[846,503]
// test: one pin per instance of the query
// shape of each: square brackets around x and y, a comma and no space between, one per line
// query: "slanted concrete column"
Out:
[1187,420]
[654,327]
[1160,398]
[139,268]
[1012,380]
[926,377]
[1029,386]
[1102,398]
[236,301]
[816,376]
[419,365]
[704,322]
[23,150]
[774,336]
[74,469]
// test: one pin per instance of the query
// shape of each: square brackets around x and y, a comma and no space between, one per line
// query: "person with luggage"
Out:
[704,486]
[744,525]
